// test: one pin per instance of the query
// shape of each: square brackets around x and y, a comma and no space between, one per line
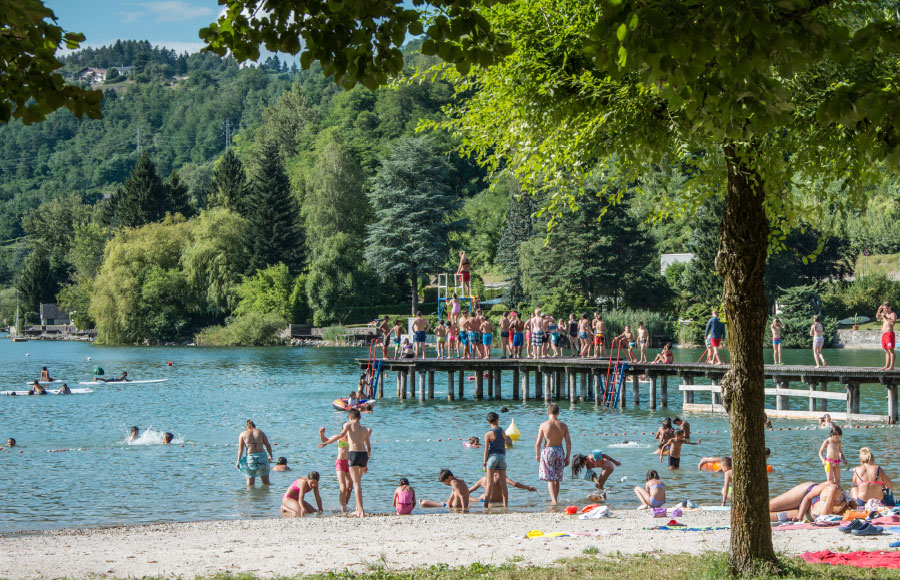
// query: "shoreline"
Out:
[290,546]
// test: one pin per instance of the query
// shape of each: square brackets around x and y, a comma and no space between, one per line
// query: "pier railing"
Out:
[584,381]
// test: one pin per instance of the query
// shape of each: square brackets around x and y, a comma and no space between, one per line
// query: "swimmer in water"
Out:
[473,442]
[10,442]
[133,434]
[37,389]
[281,465]
[167,438]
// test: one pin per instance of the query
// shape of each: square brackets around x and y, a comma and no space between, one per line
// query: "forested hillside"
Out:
[329,207]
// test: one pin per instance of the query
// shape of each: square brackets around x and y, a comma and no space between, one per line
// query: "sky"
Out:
[170,23]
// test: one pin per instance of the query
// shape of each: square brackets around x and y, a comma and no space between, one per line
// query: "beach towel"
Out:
[857,559]
[806,526]
[687,529]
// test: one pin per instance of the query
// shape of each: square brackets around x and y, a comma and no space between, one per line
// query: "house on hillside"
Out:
[91,75]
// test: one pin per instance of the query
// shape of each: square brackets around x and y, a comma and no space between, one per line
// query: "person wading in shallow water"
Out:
[256,462]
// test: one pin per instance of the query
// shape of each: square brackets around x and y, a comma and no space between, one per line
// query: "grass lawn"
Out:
[588,567]
[878,264]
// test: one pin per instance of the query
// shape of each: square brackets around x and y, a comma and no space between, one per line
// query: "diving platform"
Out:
[792,392]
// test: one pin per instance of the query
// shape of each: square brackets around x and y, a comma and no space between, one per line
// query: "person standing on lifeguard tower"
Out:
[464,275]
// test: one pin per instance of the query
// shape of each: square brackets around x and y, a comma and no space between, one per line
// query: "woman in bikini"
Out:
[869,479]
[292,502]
[342,469]
[653,494]
[792,505]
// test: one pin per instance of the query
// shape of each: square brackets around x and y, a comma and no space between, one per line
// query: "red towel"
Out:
[858,559]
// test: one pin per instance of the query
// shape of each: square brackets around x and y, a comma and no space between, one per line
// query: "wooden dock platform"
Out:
[582,380]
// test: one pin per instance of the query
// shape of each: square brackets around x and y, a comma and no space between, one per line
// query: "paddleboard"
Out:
[122,382]
[53,382]
[25,393]
[857,320]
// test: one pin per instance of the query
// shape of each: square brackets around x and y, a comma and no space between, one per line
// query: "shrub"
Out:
[334,333]
[251,329]
[655,322]
[692,332]
[860,296]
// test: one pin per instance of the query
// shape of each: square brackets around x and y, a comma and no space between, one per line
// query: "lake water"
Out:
[102,480]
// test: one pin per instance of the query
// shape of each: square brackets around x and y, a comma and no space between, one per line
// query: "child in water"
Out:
[833,455]
[404,498]
[281,465]
[653,494]
[473,442]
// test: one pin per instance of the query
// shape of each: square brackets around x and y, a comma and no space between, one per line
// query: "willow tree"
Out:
[757,99]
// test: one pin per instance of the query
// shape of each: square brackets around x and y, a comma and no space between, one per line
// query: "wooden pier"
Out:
[582,381]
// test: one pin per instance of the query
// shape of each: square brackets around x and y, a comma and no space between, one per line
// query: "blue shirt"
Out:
[715,328]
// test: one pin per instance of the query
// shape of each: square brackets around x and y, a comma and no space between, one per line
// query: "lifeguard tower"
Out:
[446,292]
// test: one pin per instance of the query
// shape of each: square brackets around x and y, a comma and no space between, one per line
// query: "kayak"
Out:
[344,403]
[26,393]
[123,382]
[53,382]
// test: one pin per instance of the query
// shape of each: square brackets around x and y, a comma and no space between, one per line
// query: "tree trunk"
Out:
[414,283]
[741,261]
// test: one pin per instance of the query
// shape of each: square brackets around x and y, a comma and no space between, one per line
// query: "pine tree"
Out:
[272,234]
[178,201]
[412,196]
[36,283]
[143,199]
[700,277]
[519,228]
[229,184]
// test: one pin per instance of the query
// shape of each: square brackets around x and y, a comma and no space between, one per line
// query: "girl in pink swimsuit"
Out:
[292,502]
[404,498]
[342,468]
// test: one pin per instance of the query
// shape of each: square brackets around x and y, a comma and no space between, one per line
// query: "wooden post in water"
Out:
[402,376]
[664,390]
[431,385]
[538,384]
[411,382]
[596,376]
[636,390]
[498,383]
[687,395]
[450,385]
[590,386]
[515,380]
[399,383]
[892,403]
[852,398]
[462,383]
[526,383]
[548,386]
[570,379]
[559,385]
[823,403]
[479,385]
[652,392]
[490,385]
[781,401]
[381,384]
[812,387]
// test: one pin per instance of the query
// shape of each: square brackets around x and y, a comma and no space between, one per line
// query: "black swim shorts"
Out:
[358,458]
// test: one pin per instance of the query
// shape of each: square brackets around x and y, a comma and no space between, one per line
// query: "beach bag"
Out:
[888,498]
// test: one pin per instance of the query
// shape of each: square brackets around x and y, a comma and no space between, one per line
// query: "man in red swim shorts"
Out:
[463,274]
[888,339]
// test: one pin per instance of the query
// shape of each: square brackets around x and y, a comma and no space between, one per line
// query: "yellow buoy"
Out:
[513,432]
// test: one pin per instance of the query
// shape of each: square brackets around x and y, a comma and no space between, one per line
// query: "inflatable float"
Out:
[343,404]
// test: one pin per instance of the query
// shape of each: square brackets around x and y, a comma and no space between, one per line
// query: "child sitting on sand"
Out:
[653,494]
[833,455]
[404,498]
[459,495]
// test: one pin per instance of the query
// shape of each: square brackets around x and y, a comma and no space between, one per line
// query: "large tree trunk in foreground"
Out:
[743,243]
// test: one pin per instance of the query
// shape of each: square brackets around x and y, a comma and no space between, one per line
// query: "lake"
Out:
[102,480]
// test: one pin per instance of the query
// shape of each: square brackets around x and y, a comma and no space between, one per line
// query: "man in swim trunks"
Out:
[420,327]
[683,425]
[504,335]
[536,325]
[385,329]
[643,341]
[584,335]
[888,339]
[475,335]
[463,274]
[552,459]
[517,327]
[256,463]
[487,336]
[776,328]
[715,332]
[599,328]
[360,438]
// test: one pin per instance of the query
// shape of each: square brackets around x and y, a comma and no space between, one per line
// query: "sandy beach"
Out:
[277,547]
